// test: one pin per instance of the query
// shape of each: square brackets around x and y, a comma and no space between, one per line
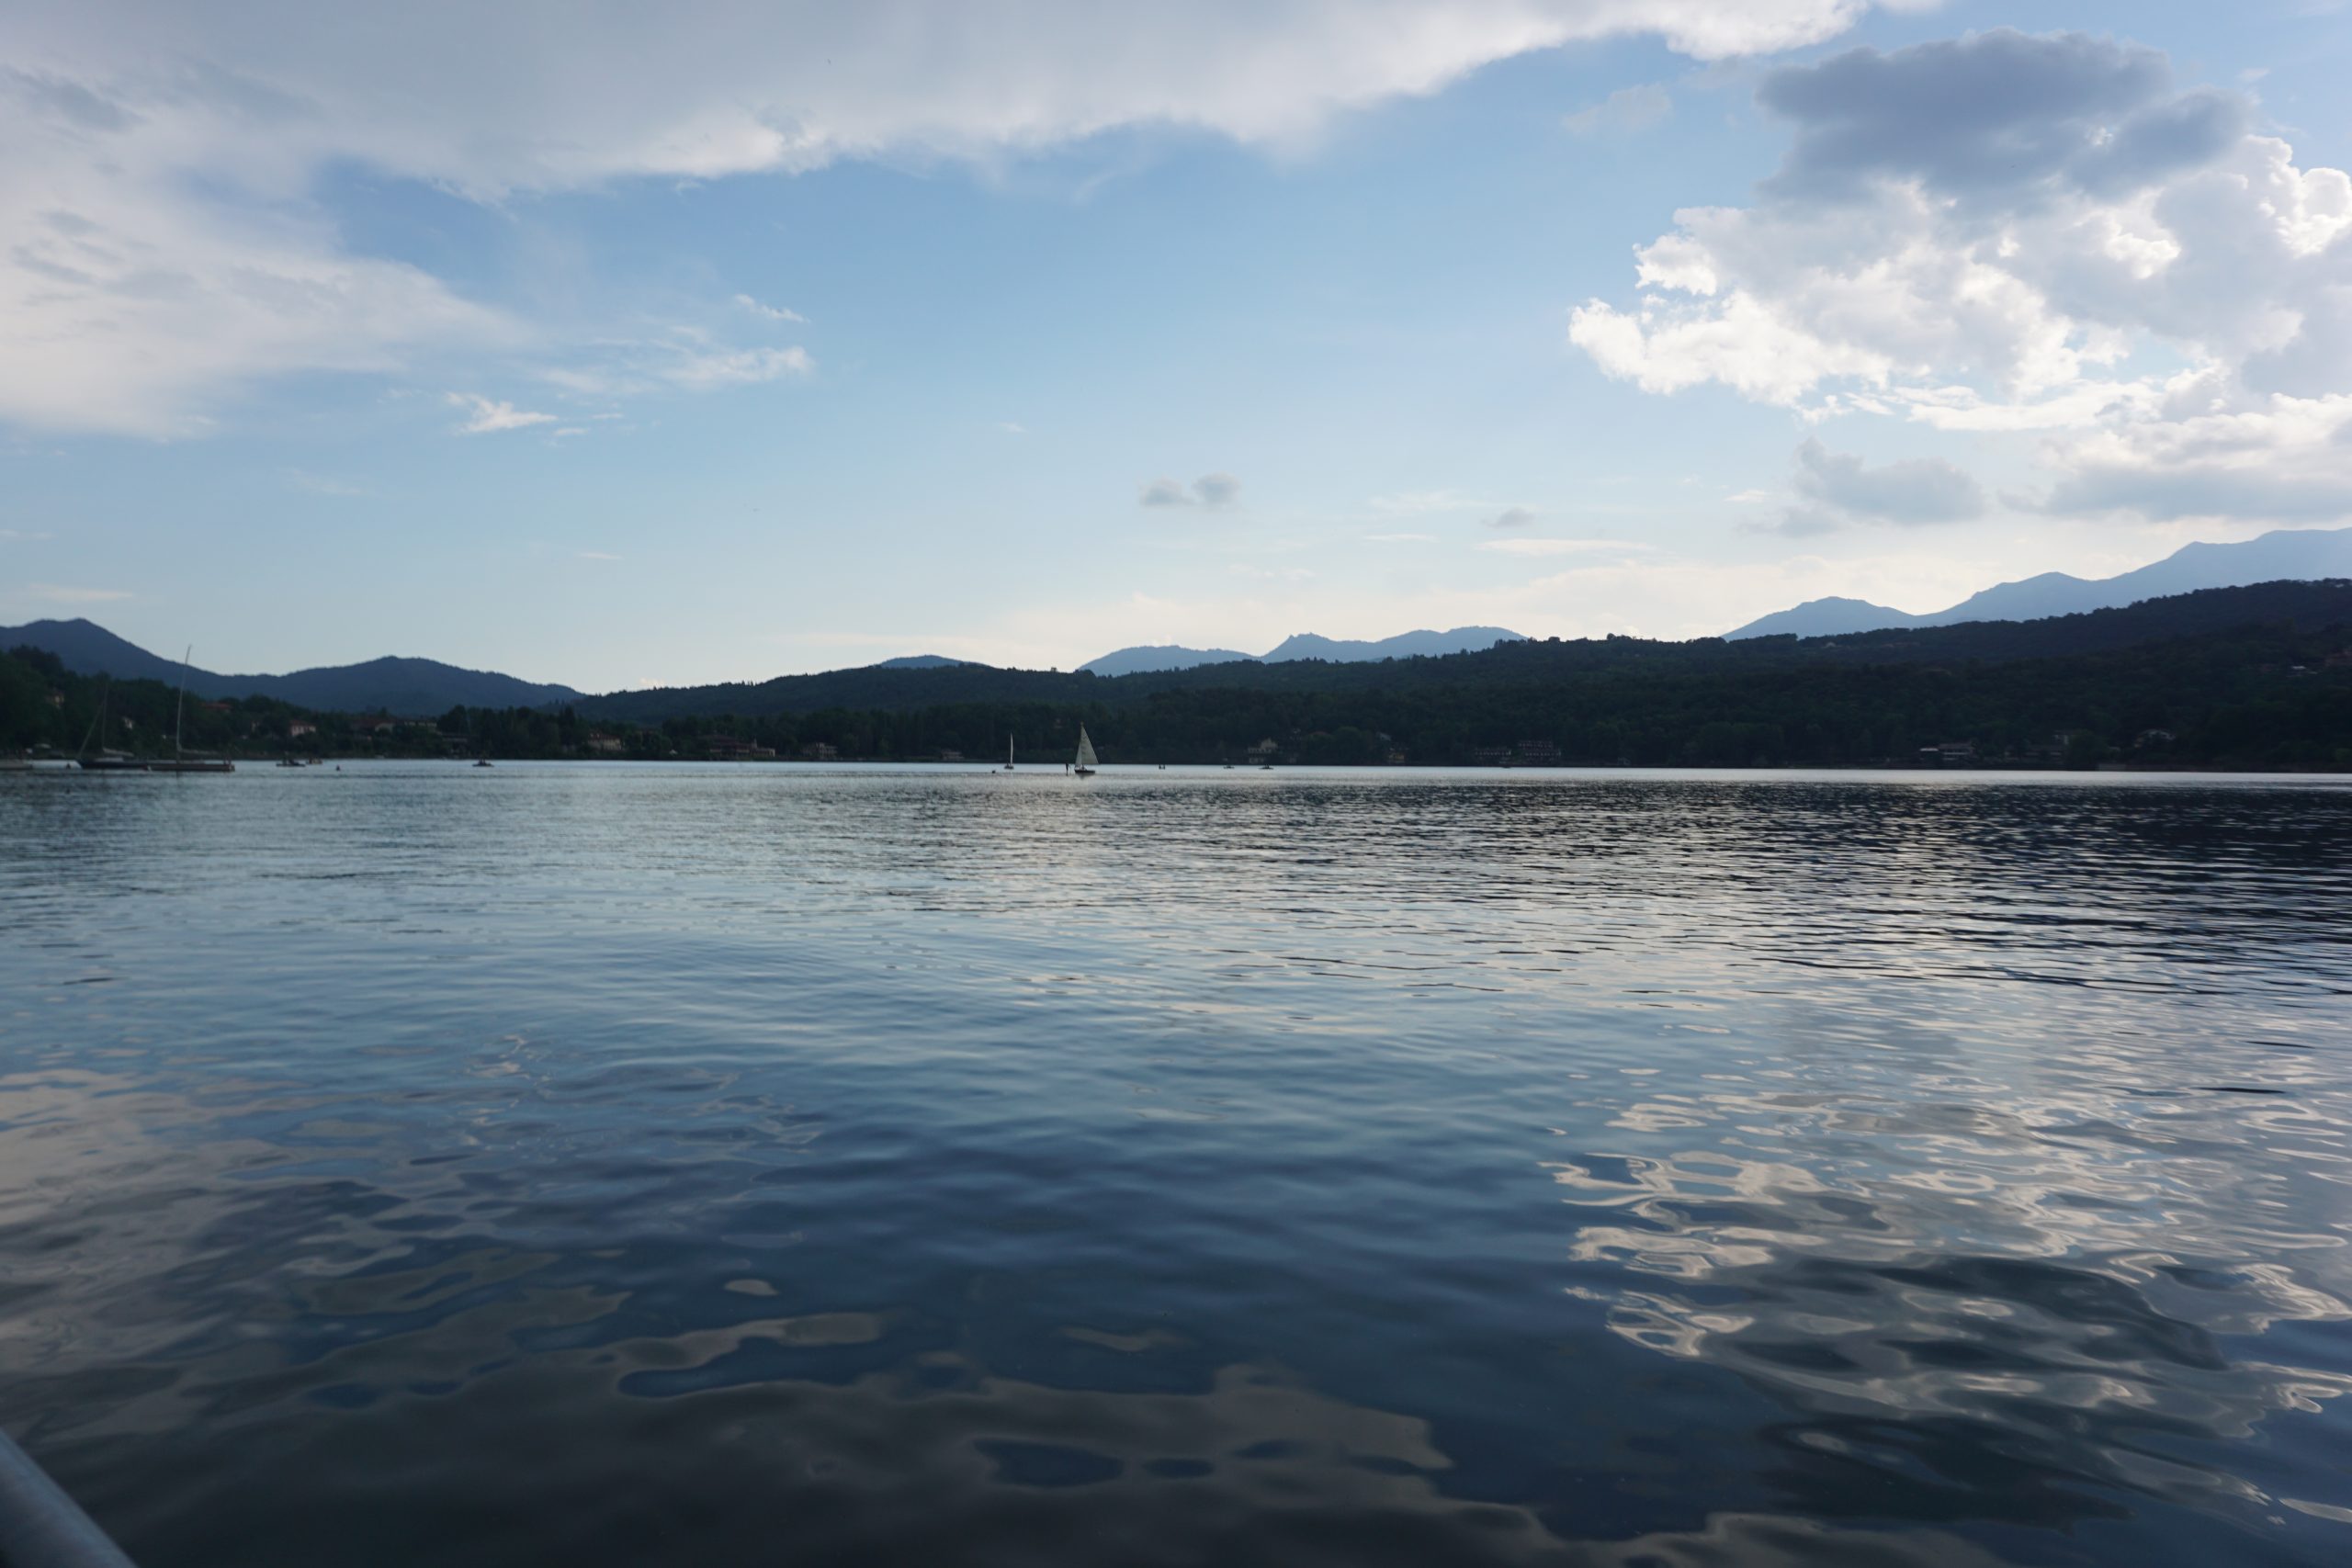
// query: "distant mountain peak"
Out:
[2284,555]
[1304,645]
[412,688]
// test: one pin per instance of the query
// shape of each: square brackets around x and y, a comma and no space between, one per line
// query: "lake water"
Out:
[681,1166]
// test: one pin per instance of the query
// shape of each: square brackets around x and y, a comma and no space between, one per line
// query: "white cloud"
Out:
[678,362]
[1623,112]
[159,247]
[768,312]
[2004,234]
[489,417]
[58,595]
[740,367]
[597,554]
[2276,457]
[1400,538]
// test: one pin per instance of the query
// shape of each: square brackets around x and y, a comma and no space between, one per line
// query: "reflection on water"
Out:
[691,1165]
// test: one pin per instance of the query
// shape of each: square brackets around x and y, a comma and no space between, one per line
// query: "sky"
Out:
[619,345]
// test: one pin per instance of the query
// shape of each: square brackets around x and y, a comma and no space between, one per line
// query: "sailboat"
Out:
[181,761]
[1008,753]
[105,760]
[1084,766]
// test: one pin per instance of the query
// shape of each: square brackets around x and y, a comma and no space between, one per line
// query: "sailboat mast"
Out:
[105,686]
[179,709]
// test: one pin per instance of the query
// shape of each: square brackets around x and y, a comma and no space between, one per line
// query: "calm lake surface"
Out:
[681,1166]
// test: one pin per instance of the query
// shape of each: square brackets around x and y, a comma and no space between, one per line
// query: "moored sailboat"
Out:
[105,760]
[181,761]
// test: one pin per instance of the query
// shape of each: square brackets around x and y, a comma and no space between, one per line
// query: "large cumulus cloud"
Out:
[2006,233]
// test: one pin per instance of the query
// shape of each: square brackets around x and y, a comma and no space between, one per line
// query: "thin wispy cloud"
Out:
[485,416]
[1400,538]
[59,594]
[1624,112]
[21,537]
[680,363]
[768,312]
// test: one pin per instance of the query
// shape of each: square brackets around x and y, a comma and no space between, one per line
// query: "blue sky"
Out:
[761,338]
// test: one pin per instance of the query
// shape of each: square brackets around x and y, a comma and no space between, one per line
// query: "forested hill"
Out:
[406,686]
[2258,677]
[1516,664]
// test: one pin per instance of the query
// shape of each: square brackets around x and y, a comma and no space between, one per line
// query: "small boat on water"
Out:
[1084,764]
[1008,753]
[481,761]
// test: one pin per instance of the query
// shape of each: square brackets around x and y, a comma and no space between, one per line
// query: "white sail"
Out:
[1085,748]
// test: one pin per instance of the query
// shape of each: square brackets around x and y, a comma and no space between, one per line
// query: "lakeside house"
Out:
[818,751]
[727,748]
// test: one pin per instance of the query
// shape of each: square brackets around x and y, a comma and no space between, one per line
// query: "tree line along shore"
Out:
[2258,678]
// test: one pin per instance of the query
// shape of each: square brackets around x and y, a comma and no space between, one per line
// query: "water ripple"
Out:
[697,1165]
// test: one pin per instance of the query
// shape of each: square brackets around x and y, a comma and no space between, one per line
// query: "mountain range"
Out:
[425,688]
[409,687]
[2290,554]
[1304,645]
